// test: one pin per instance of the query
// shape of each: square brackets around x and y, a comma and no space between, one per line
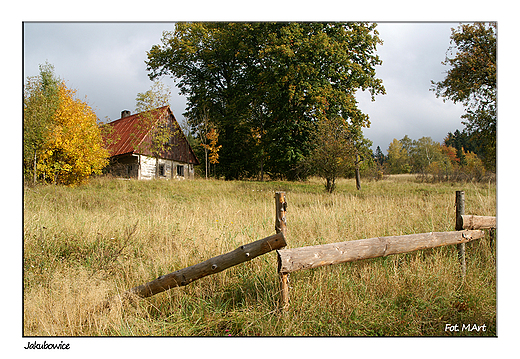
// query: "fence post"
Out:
[492,235]
[459,212]
[281,226]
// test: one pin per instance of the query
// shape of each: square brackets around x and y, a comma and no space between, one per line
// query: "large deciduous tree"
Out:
[266,85]
[471,80]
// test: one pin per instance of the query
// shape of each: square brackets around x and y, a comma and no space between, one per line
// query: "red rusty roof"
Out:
[126,136]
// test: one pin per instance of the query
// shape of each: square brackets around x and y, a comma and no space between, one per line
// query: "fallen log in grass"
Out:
[214,265]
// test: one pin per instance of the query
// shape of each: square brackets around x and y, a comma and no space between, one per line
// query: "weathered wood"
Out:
[214,265]
[291,260]
[281,212]
[478,222]
[284,290]
[459,225]
[281,227]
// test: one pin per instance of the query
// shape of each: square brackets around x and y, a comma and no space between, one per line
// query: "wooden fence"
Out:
[468,228]
[216,264]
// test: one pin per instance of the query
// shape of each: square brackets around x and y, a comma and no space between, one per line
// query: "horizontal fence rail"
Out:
[295,259]
[478,222]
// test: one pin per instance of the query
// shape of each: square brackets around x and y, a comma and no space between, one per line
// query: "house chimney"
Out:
[125,113]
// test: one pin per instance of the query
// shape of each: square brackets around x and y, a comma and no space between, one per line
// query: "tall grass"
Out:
[84,244]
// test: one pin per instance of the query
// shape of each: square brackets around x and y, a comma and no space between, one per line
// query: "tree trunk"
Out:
[358,176]
[34,168]
[207,169]
[262,166]
[331,184]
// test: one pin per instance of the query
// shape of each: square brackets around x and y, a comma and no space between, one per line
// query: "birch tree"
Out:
[41,100]
[159,127]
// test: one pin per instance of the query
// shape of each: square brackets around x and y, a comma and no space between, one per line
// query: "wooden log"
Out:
[291,260]
[284,290]
[214,265]
[478,222]
[281,212]
[281,227]
[459,212]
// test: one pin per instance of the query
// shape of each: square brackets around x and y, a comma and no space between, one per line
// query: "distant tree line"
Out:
[470,80]
[424,157]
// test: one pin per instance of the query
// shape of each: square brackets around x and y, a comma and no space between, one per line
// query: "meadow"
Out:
[88,243]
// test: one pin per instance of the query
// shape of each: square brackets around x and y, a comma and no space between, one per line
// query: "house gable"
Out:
[132,135]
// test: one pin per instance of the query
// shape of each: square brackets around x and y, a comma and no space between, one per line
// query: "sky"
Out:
[106,63]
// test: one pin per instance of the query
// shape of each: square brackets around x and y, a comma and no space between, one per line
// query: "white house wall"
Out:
[146,167]
[169,169]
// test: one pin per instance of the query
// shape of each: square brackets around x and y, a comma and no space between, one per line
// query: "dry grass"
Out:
[85,244]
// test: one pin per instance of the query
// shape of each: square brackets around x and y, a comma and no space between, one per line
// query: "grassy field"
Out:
[84,244]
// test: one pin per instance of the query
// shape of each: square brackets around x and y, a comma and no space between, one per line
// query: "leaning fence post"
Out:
[281,226]
[459,212]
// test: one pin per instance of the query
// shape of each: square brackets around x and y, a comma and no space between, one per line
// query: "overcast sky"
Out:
[105,63]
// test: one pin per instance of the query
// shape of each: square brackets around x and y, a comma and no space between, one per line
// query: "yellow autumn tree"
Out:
[212,147]
[74,147]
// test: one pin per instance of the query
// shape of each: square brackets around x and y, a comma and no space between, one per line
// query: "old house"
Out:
[148,145]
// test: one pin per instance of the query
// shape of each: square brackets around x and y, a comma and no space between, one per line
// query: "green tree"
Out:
[41,101]
[424,152]
[338,152]
[471,80]
[379,156]
[463,142]
[265,85]
[398,161]
[407,144]
[62,141]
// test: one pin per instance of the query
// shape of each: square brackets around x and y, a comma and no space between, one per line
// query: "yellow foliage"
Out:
[212,136]
[74,149]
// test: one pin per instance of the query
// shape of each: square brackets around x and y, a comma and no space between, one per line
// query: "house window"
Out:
[180,170]
[161,170]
